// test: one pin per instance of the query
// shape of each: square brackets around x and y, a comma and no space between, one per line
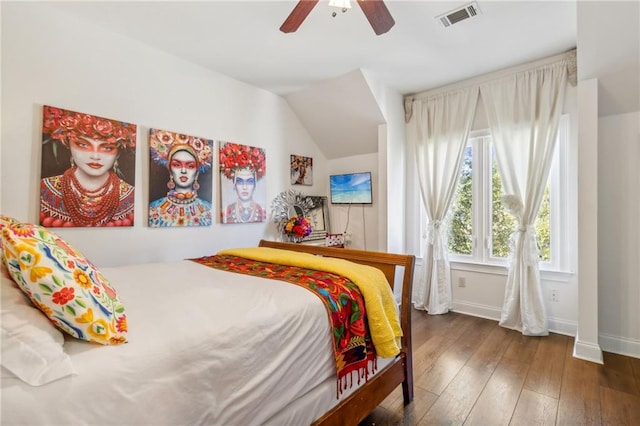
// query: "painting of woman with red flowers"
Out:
[242,172]
[87,170]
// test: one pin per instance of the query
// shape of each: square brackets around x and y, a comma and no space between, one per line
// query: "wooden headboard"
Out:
[386,262]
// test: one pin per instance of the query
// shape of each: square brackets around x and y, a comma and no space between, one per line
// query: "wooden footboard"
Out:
[358,405]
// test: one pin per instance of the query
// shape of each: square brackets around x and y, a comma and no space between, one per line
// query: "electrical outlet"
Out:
[462,282]
[554,295]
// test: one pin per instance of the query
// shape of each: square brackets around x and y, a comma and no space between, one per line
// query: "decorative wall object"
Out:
[301,170]
[242,183]
[87,170]
[180,177]
[292,203]
[319,217]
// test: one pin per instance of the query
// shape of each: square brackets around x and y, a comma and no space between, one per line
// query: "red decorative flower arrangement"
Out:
[234,156]
[298,227]
[64,125]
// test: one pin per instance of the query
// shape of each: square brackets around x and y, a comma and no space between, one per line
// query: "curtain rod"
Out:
[572,76]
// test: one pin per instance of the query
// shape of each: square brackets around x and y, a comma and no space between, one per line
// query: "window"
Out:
[479,228]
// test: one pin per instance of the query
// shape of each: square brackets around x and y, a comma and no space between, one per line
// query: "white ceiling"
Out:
[310,67]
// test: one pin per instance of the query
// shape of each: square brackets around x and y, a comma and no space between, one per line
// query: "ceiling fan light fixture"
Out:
[375,10]
[343,5]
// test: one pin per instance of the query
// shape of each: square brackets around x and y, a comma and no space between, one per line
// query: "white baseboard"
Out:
[561,326]
[587,351]
[556,325]
[620,345]
[477,310]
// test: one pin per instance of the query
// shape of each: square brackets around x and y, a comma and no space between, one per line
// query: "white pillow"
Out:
[31,344]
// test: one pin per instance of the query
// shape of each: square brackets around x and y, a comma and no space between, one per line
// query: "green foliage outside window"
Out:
[502,223]
[543,228]
[460,220]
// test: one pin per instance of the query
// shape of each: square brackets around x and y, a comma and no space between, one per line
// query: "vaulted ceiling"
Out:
[320,69]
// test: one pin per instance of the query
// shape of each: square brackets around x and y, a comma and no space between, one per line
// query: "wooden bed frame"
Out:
[358,405]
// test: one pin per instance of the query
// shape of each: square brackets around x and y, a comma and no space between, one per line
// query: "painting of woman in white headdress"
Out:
[180,179]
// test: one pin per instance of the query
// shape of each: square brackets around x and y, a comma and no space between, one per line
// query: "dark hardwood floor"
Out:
[471,371]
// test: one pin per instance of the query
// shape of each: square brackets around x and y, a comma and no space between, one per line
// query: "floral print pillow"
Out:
[5,221]
[64,285]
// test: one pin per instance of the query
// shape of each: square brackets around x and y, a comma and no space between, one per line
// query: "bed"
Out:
[205,346]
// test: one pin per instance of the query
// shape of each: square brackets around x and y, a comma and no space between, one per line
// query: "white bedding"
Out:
[205,347]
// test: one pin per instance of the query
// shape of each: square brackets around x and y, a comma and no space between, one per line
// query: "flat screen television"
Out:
[351,188]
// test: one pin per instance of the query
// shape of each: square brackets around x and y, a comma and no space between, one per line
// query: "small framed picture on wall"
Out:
[301,170]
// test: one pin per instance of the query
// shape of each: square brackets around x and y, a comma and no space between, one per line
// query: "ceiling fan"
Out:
[375,10]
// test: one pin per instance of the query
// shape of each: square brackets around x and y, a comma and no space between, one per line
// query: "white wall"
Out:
[586,344]
[619,233]
[385,220]
[609,51]
[51,58]
[359,220]
[392,167]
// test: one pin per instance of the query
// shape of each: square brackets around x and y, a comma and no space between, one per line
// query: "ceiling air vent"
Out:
[459,14]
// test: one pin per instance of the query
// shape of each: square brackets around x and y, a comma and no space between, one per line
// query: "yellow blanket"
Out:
[382,311]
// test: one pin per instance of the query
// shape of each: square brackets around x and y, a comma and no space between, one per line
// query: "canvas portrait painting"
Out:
[87,170]
[242,183]
[180,179]
[301,170]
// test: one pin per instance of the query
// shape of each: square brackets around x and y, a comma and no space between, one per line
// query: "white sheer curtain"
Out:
[437,134]
[523,113]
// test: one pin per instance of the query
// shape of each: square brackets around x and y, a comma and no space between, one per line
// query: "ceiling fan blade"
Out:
[378,15]
[297,15]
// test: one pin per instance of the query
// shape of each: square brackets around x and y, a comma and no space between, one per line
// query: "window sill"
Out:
[495,269]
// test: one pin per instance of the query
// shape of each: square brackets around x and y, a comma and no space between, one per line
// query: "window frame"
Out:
[481,259]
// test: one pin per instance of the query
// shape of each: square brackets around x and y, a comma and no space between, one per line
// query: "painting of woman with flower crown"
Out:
[87,170]
[180,179]
[242,172]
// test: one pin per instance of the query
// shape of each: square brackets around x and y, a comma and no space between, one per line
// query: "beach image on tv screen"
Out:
[351,188]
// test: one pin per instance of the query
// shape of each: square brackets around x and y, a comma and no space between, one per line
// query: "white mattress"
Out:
[205,347]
